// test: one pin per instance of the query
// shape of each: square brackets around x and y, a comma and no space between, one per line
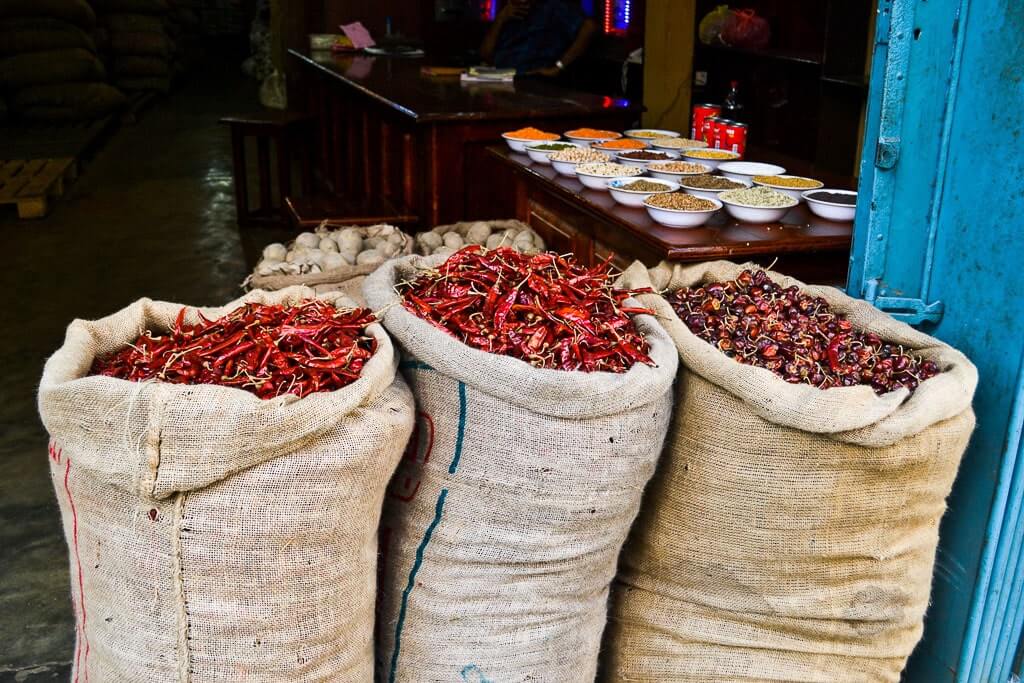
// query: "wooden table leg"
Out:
[409,175]
[284,170]
[369,157]
[263,154]
[385,160]
[241,177]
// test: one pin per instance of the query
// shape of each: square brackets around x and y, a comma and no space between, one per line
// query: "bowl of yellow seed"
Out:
[710,157]
[790,185]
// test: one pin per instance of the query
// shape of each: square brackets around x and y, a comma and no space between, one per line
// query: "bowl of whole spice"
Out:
[641,157]
[679,210]
[675,170]
[746,170]
[541,151]
[632,191]
[648,134]
[596,175]
[566,161]
[757,204]
[835,205]
[710,157]
[710,186]
[791,185]
[675,144]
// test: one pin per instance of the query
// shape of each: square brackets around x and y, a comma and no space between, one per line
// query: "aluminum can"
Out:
[735,137]
[701,112]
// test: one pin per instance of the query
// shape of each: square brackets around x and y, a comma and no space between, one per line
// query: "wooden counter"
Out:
[387,130]
[591,224]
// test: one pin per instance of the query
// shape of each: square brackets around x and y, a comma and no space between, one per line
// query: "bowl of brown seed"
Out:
[679,210]
[710,186]
[631,191]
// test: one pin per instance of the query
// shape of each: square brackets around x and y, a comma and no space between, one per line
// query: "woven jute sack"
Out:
[505,519]
[347,279]
[790,532]
[215,536]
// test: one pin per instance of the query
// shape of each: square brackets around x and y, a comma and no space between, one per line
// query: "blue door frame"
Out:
[941,245]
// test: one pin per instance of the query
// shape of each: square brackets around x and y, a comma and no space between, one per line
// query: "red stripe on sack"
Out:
[81,586]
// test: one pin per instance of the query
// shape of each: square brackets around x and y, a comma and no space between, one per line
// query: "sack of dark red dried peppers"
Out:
[545,309]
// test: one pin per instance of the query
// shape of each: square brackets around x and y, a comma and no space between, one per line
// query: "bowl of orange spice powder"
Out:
[592,135]
[620,145]
[518,139]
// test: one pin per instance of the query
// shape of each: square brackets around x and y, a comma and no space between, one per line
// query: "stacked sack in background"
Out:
[138,48]
[184,28]
[49,69]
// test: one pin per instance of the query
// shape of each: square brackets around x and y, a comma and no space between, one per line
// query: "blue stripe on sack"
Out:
[413,365]
[438,511]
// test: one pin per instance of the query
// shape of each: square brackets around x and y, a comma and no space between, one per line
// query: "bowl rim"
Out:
[568,144]
[670,133]
[631,178]
[711,189]
[679,173]
[822,201]
[749,206]
[615,150]
[743,161]
[722,160]
[791,189]
[515,139]
[691,211]
[654,143]
[609,177]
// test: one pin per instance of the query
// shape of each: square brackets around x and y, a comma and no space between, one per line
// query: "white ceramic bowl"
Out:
[792,192]
[675,218]
[597,182]
[746,170]
[756,214]
[709,194]
[541,155]
[587,141]
[635,197]
[642,163]
[519,144]
[713,164]
[567,168]
[632,133]
[831,210]
[674,175]
[696,144]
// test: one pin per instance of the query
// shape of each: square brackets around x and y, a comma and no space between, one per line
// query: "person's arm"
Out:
[579,46]
[513,10]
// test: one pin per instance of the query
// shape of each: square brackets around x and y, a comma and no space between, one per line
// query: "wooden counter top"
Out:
[721,238]
[397,83]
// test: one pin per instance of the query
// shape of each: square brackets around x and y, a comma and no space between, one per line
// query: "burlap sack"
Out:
[790,532]
[503,525]
[77,12]
[140,66]
[50,66]
[214,536]
[137,83]
[347,279]
[33,34]
[130,23]
[140,43]
[68,101]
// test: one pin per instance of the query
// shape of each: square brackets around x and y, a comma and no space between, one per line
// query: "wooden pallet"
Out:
[31,183]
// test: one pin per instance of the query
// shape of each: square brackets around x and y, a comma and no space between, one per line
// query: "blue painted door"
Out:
[941,244]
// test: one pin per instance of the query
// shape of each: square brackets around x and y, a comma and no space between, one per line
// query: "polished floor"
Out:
[151,216]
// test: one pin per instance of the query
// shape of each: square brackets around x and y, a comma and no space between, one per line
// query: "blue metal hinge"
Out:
[887,152]
[909,310]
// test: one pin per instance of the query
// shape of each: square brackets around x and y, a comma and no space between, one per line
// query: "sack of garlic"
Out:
[448,239]
[332,258]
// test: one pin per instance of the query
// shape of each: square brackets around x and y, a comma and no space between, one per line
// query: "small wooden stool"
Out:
[291,132]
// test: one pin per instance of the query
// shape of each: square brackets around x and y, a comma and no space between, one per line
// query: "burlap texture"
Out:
[213,535]
[50,66]
[33,34]
[504,522]
[68,101]
[789,533]
[78,12]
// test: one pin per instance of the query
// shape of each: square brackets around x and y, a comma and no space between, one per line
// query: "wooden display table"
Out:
[592,225]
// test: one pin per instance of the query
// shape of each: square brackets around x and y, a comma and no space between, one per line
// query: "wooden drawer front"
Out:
[559,234]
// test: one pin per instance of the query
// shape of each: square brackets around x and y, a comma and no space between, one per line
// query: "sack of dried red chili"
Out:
[213,534]
[790,531]
[504,522]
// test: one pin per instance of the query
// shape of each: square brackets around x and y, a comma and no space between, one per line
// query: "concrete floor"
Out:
[152,215]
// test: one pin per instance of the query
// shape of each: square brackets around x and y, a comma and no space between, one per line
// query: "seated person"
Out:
[537,36]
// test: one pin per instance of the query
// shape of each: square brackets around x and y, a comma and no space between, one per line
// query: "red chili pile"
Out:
[544,309]
[268,350]
[798,337]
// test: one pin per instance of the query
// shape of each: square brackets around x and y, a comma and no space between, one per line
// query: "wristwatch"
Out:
[560,65]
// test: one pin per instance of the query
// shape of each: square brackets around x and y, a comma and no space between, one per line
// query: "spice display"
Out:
[678,201]
[788,181]
[678,167]
[644,186]
[758,196]
[624,143]
[448,239]
[678,143]
[579,156]
[608,169]
[532,134]
[711,182]
[645,155]
[646,133]
[797,336]
[593,134]
[834,197]
[711,154]
[268,350]
[326,250]
[544,309]
[553,146]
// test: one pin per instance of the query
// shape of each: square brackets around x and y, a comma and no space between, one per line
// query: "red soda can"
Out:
[701,112]
[707,133]
[735,137]
[719,132]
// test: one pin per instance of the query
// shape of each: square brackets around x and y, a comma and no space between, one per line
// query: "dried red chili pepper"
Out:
[544,309]
[268,350]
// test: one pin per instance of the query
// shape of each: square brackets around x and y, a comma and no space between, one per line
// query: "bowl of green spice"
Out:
[541,152]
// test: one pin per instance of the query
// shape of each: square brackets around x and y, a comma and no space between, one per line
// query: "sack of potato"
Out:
[333,258]
[448,239]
